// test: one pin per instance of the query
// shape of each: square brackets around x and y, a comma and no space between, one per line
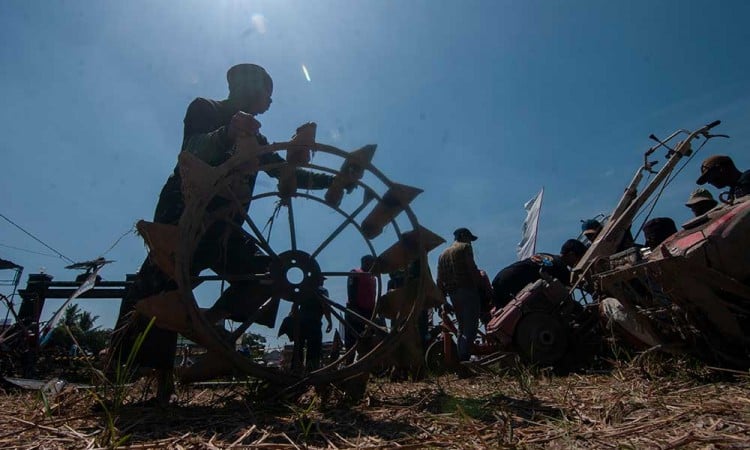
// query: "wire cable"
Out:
[37,239]
[122,236]
[29,251]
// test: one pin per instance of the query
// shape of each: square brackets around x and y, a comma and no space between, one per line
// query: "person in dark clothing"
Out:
[310,341]
[512,279]
[211,128]
[720,172]
[458,278]
[591,228]
[657,230]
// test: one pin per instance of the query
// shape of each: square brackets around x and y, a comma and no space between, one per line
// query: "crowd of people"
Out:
[459,278]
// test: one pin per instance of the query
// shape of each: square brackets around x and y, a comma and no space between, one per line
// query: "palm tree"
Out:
[81,326]
[70,316]
[86,321]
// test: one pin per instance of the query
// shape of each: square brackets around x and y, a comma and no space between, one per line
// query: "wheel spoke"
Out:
[341,318]
[262,242]
[337,231]
[246,324]
[360,317]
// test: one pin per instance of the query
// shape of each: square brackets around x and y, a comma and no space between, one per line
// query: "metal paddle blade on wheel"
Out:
[266,276]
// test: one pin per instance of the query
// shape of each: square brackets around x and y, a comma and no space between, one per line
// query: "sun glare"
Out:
[307,74]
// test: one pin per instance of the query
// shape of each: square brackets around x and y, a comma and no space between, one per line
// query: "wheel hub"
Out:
[295,275]
[546,337]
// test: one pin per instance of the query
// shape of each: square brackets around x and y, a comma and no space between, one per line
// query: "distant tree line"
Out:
[92,339]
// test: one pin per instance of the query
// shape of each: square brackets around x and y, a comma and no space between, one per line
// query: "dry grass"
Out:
[643,405]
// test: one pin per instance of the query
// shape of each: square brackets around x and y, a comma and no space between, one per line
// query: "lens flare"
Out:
[307,74]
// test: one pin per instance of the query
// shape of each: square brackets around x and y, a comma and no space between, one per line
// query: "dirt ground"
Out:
[641,405]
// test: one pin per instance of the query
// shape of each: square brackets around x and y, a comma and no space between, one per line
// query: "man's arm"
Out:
[327,314]
[560,271]
[214,146]
[210,145]
[440,280]
[472,267]
[305,178]
[326,311]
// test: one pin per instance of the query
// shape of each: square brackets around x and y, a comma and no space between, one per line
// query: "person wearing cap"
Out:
[591,228]
[701,201]
[210,130]
[458,278]
[513,278]
[657,230]
[720,172]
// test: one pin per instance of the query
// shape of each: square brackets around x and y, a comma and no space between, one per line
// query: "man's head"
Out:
[572,251]
[591,229]
[366,262]
[718,171]
[250,88]
[701,201]
[464,235]
[657,230]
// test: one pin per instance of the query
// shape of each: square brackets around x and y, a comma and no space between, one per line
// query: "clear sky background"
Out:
[480,103]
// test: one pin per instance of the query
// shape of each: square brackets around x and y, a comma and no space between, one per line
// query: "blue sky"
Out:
[479,103]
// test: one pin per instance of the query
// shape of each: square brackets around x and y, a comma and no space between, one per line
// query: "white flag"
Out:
[86,286]
[527,246]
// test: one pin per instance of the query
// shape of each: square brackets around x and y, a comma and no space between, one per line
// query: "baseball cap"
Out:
[657,230]
[590,226]
[711,163]
[464,232]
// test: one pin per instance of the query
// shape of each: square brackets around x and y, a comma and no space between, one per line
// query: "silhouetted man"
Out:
[720,172]
[310,341]
[211,128]
[701,201]
[458,278]
[657,230]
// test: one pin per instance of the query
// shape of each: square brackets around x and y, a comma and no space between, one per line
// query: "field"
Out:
[650,403]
